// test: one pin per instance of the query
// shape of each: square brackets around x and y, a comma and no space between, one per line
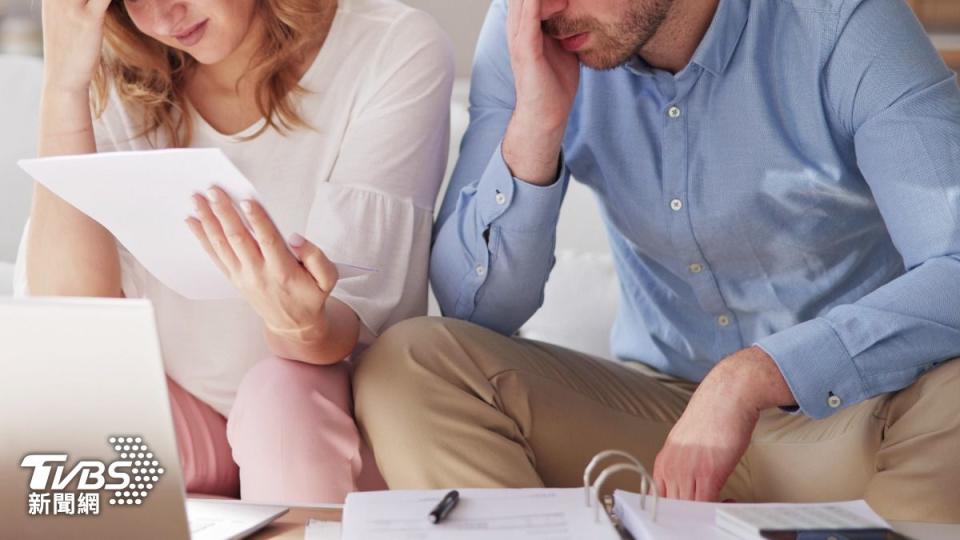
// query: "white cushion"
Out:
[21,79]
[580,303]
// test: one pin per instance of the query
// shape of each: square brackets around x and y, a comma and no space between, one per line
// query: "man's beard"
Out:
[613,45]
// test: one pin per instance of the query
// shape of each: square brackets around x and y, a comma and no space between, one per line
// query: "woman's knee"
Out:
[278,384]
[284,396]
[293,434]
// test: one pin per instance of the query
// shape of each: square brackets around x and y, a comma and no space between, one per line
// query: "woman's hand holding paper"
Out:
[288,287]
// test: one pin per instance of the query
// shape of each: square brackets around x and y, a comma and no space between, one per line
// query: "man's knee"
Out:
[396,365]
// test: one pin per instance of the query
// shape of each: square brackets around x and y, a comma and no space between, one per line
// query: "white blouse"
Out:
[361,183]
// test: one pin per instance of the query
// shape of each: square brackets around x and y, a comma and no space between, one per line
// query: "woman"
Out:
[337,111]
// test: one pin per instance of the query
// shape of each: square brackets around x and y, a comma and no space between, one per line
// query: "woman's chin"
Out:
[205,53]
[206,57]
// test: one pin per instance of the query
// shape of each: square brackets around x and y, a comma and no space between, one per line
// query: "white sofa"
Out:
[581,295]
[20,80]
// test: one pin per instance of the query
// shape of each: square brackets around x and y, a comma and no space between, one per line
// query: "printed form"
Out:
[544,514]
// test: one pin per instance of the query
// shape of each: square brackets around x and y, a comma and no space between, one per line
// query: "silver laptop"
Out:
[87,447]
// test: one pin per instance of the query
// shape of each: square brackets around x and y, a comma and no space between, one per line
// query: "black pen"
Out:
[439,513]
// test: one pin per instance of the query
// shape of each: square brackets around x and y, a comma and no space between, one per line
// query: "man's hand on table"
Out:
[706,444]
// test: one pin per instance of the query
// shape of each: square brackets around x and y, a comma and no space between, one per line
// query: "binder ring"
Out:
[588,472]
[647,484]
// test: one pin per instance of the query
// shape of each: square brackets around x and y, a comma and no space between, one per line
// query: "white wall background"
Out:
[462,19]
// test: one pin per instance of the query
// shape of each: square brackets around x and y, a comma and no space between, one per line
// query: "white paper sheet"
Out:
[681,520]
[221,520]
[322,530]
[555,514]
[143,198]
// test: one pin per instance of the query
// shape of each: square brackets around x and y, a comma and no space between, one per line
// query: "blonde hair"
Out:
[149,76]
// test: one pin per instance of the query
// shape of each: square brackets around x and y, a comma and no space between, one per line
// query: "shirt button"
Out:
[696,268]
[723,320]
[673,112]
[481,270]
[834,401]
[676,205]
[501,199]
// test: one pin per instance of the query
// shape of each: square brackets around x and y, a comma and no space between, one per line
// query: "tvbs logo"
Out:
[59,489]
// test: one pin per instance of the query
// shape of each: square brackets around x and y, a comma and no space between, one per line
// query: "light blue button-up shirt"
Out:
[796,186]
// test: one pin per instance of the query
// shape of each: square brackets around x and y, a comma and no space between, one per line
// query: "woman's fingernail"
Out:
[213,194]
[246,206]
[296,240]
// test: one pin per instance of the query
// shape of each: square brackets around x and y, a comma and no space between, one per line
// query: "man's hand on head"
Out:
[713,434]
[546,78]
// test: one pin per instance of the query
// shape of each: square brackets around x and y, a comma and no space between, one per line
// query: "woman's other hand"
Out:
[288,288]
[72,40]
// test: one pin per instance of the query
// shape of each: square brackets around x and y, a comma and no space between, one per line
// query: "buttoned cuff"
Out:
[817,367]
[516,205]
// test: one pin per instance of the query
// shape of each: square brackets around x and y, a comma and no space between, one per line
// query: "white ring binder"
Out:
[588,472]
[593,491]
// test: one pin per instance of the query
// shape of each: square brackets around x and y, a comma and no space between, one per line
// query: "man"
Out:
[780,182]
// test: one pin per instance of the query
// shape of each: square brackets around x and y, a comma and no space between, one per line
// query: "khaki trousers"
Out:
[446,403]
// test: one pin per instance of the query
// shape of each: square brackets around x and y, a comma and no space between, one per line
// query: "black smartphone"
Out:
[833,534]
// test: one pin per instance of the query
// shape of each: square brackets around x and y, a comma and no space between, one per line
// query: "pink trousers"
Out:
[290,437]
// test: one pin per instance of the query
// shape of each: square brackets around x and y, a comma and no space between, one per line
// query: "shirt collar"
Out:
[718,44]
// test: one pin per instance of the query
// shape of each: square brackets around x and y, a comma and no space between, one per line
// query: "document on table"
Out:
[681,520]
[554,514]
[322,530]
[143,198]
[219,520]
[748,521]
